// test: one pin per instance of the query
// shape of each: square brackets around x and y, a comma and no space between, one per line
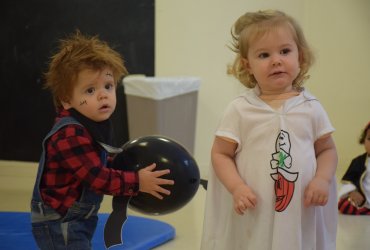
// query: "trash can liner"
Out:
[159,88]
[162,106]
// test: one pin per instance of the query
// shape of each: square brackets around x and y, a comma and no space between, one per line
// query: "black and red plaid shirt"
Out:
[73,162]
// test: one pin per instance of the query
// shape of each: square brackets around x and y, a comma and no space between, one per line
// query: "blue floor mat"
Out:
[139,233]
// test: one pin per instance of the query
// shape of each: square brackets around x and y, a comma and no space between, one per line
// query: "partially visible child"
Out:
[354,194]
[272,182]
[74,171]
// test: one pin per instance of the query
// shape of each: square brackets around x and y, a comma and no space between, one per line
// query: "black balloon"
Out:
[167,154]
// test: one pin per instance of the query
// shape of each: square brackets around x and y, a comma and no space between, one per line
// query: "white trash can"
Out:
[162,106]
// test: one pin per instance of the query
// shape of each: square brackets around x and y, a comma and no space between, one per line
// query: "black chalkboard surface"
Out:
[30,30]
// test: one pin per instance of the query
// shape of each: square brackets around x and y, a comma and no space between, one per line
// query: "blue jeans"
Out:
[73,231]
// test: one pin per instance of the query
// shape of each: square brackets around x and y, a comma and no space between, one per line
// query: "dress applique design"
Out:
[284,179]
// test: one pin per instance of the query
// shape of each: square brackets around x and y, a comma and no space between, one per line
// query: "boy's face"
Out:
[94,94]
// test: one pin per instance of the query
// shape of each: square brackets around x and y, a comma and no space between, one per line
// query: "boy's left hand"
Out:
[317,192]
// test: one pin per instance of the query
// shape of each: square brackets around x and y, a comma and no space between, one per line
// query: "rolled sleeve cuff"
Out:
[131,180]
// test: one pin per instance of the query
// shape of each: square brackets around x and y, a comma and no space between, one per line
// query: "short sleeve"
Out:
[321,121]
[229,125]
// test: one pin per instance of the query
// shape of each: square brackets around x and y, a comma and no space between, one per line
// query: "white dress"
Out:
[275,154]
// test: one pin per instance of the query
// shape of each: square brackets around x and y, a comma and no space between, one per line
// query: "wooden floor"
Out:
[17,179]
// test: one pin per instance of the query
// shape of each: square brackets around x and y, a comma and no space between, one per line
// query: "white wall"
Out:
[339,30]
[192,38]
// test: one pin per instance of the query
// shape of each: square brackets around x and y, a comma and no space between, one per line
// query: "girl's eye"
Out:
[263,55]
[90,91]
[109,86]
[285,51]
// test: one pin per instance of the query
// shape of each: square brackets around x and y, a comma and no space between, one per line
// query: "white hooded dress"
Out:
[271,143]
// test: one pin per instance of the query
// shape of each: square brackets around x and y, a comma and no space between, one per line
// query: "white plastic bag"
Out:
[159,88]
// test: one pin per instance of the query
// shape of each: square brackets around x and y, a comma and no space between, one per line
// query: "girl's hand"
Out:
[149,181]
[317,192]
[244,198]
[356,198]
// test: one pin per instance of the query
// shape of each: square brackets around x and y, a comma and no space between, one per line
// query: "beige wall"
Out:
[192,38]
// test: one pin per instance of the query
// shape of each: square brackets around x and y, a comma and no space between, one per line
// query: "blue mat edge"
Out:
[167,233]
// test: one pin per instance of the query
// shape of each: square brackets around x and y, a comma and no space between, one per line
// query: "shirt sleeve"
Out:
[80,156]
[229,125]
[322,122]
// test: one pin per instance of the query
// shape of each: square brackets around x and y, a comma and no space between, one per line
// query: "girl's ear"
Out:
[246,65]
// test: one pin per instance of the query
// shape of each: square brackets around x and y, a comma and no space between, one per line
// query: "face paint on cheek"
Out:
[83,102]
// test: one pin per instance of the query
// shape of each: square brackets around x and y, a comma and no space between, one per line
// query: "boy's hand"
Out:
[317,192]
[244,198]
[149,181]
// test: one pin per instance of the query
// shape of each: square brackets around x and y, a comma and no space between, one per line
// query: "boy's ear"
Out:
[66,104]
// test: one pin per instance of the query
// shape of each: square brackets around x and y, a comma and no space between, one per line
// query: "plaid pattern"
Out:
[73,161]
[345,207]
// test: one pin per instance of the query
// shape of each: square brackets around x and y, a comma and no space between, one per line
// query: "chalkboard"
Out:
[30,30]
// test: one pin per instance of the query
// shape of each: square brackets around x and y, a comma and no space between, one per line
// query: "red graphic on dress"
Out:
[284,179]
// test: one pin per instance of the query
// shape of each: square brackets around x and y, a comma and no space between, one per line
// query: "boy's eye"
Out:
[263,55]
[285,51]
[90,90]
[109,86]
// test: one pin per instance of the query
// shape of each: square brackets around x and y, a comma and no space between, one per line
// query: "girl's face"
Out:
[273,60]
[367,142]
[94,94]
